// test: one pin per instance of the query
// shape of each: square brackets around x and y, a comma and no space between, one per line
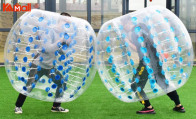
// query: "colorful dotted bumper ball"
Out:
[50,57]
[144,54]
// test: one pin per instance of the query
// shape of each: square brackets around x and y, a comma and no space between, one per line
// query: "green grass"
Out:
[97,103]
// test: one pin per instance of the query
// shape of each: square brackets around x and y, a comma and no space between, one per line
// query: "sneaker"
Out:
[179,109]
[18,110]
[59,109]
[146,111]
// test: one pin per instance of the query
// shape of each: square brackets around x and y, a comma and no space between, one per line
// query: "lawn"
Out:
[96,103]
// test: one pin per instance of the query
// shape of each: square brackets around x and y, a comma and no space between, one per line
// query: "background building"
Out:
[97,12]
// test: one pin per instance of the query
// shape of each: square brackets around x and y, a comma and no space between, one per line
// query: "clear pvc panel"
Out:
[104,10]
[188,17]
[187,13]
[112,9]
[96,19]
[35,4]
[76,8]
[101,10]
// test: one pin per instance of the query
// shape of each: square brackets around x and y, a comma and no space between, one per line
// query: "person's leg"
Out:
[160,80]
[142,77]
[56,104]
[32,78]
[20,100]
[57,79]
[139,80]
[147,104]
[174,96]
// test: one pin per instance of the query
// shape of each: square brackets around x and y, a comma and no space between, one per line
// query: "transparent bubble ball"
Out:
[50,57]
[144,54]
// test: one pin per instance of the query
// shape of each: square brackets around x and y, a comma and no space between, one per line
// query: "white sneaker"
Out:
[59,109]
[18,110]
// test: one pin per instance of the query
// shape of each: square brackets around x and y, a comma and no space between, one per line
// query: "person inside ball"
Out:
[139,39]
[44,63]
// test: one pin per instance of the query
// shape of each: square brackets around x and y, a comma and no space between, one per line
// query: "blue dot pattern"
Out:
[144,54]
[51,54]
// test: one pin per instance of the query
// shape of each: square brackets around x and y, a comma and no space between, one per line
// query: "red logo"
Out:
[16,8]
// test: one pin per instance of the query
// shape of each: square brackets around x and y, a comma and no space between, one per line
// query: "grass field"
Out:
[96,103]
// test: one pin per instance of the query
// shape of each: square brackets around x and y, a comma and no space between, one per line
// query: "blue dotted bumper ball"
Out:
[50,57]
[144,54]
